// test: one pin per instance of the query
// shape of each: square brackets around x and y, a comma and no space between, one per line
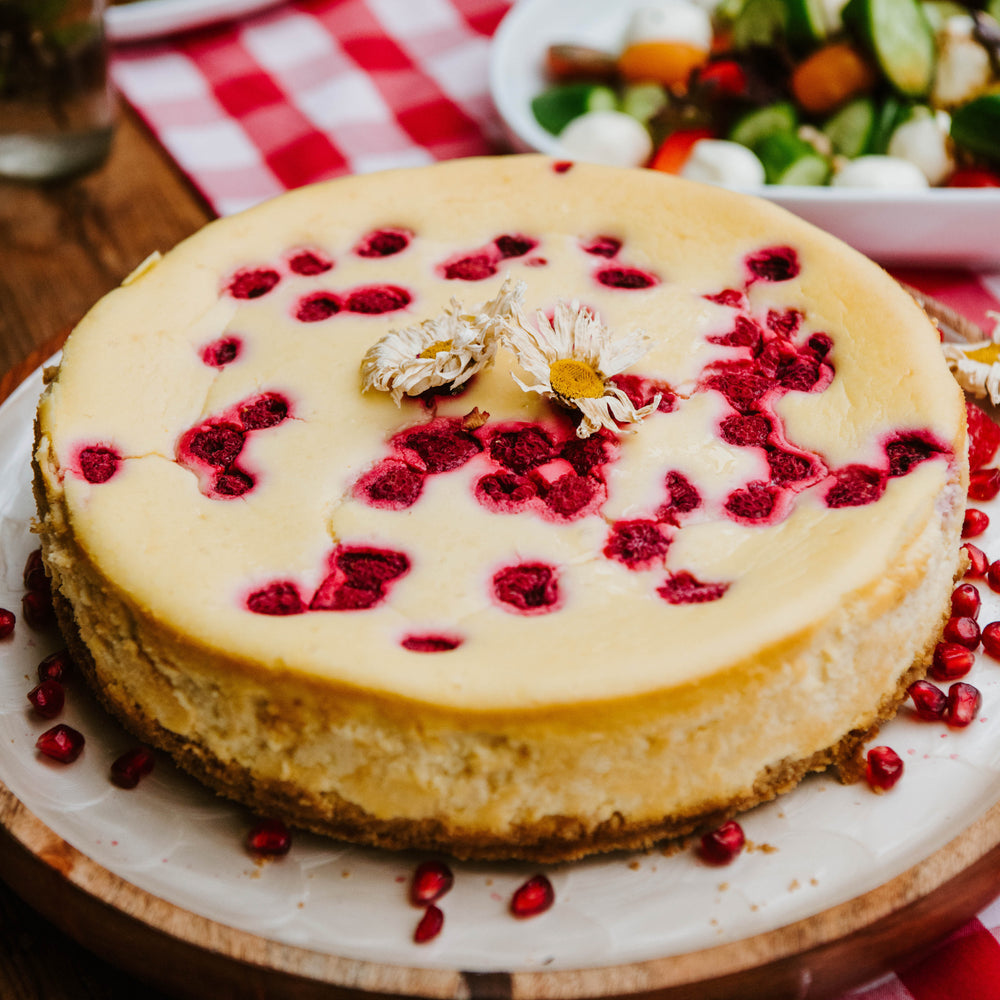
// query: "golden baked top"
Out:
[217,462]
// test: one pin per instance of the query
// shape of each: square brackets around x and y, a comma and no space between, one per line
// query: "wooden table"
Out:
[62,246]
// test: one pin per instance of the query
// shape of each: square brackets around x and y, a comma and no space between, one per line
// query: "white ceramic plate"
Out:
[939,226]
[144,19]
[827,843]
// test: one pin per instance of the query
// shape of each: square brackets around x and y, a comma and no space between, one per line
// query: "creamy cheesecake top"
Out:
[224,467]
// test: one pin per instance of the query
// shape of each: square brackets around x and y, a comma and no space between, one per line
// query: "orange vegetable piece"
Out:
[674,151]
[830,76]
[665,62]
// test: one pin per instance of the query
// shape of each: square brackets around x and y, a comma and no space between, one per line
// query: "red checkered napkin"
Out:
[317,88]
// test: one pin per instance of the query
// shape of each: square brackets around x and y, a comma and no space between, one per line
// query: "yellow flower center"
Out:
[574,379]
[988,355]
[436,348]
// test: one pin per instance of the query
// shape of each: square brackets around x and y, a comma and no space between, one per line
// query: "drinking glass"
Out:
[57,106]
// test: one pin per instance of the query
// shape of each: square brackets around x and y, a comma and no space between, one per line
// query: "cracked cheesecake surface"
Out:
[466,619]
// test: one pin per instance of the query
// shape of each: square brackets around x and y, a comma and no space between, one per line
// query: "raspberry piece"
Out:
[514,246]
[476,267]
[216,445]
[391,485]
[531,588]
[682,497]
[984,436]
[742,387]
[732,297]
[309,263]
[232,483]
[603,246]
[773,264]
[504,492]
[98,463]
[317,307]
[784,322]
[642,391]
[383,243]
[787,467]
[266,410]
[522,449]
[638,544]
[820,344]
[252,283]
[373,300]
[585,454]
[430,643]
[799,375]
[440,446]
[855,486]
[906,451]
[221,352]
[685,588]
[746,430]
[359,579]
[278,598]
[753,502]
[364,567]
[570,494]
[745,333]
[625,277]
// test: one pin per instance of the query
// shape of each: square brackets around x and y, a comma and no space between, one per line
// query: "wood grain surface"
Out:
[61,248]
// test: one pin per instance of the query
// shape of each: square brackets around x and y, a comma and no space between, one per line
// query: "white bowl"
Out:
[956,227]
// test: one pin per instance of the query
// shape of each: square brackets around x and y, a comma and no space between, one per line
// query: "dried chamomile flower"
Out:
[572,358]
[976,366]
[446,350]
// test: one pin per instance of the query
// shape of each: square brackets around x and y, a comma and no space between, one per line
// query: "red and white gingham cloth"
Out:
[314,89]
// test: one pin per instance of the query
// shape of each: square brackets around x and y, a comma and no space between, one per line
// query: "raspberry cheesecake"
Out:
[507,507]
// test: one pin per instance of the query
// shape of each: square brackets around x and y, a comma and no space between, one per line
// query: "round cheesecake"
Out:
[404,588]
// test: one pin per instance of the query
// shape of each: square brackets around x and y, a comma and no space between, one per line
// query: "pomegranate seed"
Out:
[34,572]
[532,898]
[951,661]
[429,925]
[984,484]
[978,561]
[965,601]
[269,837]
[61,743]
[975,523]
[36,608]
[720,847]
[431,880]
[7,622]
[964,631]
[133,765]
[993,575]
[47,698]
[928,700]
[883,768]
[963,704]
[56,666]
[991,639]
